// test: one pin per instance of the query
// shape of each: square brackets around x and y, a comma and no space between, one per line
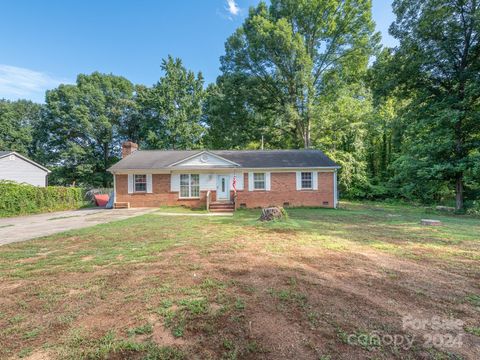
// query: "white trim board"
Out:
[27,160]
[222,161]
[222,170]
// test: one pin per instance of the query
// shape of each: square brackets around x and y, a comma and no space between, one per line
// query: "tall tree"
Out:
[386,127]
[172,108]
[438,64]
[342,133]
[294,48]
[239,115]
[80,127]
[131,119]
[18,121]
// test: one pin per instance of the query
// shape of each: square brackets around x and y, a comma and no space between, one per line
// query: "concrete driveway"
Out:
[23,228]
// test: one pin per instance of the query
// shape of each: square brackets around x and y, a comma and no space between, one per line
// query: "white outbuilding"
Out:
[18,168]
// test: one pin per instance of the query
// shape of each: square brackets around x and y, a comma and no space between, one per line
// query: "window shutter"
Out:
[174,182]
[299,180]
[149,183]
[239,181]
[315,180]
[130,183]
[250,181]
[267,181]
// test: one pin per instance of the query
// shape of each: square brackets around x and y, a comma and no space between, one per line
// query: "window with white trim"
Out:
[189,185]
[259,181]
[307,180]
[140,183]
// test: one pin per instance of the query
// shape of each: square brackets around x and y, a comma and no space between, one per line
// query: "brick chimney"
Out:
[128,147]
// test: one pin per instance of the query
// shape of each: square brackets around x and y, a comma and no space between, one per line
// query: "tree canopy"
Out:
[18,122]
[80,129]
[437,67]
[293,52]
[402,122]
[172,108]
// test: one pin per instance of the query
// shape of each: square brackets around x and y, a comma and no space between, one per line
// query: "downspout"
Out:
[114,189]
[335,190]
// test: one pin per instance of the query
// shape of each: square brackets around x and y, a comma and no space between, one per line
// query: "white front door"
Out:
[223,187]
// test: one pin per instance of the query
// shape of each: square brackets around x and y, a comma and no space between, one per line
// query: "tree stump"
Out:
[271,213]
[429,222]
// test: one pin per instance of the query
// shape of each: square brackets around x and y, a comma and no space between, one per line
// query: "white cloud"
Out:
[21,83]
[232,7]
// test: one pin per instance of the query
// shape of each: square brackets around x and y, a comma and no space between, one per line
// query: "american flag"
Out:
[234,183]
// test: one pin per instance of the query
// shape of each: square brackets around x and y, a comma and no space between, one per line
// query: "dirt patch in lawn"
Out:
[164,337]
[39,355]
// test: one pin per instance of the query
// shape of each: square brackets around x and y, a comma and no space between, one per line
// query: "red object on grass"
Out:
[101,200]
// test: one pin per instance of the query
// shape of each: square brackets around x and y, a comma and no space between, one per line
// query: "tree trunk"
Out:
[306,140]
[459,192]
[105,164]
[384,155]
[306,133]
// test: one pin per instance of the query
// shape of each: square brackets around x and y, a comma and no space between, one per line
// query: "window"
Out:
[189,185]
[307,182]
[259,181]
[140,183]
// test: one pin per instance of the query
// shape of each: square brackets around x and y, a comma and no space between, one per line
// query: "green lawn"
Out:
[180,287]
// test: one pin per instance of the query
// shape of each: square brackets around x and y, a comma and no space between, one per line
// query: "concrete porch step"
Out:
[222,206]
[226,210]
[221,203]
[226,206]
[121,205]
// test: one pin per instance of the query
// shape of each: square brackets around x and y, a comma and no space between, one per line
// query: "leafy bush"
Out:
[284,213]
[474,208]
[21,199]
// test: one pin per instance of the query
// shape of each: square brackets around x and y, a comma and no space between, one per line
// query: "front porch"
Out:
[220,205]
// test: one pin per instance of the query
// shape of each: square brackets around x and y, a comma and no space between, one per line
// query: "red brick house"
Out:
[203,178]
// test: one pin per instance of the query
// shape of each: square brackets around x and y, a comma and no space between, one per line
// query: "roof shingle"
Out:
[159,159]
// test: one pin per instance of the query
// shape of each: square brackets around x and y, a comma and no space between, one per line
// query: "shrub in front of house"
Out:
[22,199]
[473,208]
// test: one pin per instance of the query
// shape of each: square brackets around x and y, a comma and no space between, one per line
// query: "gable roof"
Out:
[162,159]
[199,156]
[7,153]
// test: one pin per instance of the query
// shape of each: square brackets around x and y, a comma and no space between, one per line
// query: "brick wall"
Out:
[283,190]
[160,196]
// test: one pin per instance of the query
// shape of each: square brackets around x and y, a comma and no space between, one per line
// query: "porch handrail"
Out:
[208,200]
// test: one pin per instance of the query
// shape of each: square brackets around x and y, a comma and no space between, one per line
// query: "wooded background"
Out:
[403,122]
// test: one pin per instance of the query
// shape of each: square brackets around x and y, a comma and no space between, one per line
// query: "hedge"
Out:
[21,199]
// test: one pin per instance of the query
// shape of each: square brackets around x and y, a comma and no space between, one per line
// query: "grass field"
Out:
[323,284]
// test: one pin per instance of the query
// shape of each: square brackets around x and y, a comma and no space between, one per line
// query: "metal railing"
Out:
[208,200]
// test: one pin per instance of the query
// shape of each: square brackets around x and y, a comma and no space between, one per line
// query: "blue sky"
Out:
[45,43]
